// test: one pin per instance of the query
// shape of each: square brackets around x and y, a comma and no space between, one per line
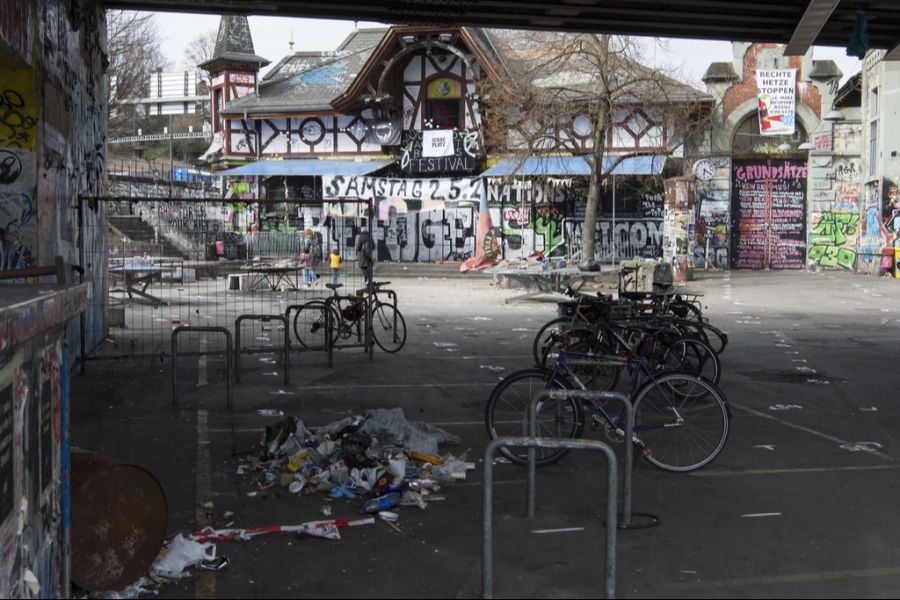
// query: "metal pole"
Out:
[612,259]
[237,350]
[175,366]
[370,342]
[171,162]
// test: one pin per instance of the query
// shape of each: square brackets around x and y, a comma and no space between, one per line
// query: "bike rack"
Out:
[626,521]
[368,341]
[286,348]
[487,531]
[228,358]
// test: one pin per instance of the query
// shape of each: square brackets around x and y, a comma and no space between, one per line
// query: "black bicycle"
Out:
[348,315]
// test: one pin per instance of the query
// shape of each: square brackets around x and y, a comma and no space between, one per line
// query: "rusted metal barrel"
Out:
[119,520]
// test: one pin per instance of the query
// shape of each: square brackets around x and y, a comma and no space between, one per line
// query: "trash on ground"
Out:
[180,554]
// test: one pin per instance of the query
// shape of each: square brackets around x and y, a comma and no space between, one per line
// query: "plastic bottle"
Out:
[381,503]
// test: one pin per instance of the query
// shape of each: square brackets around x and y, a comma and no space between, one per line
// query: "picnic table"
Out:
[137,274]
[272,275]
[539,280]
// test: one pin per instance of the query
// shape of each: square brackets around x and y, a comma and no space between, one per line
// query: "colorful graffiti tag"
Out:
[833,239]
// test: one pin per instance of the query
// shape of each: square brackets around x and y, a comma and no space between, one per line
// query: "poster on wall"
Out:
[768,208]
[776,90]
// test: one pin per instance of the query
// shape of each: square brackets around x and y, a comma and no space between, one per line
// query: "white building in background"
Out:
[175,93]
[172,93]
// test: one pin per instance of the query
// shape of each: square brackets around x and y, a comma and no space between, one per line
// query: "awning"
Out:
[308,166]
[575,165]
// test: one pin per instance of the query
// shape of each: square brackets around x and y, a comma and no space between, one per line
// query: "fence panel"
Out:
[200,262]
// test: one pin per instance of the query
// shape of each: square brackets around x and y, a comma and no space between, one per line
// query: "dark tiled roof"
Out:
[308,81]
[234,44]
[720,71]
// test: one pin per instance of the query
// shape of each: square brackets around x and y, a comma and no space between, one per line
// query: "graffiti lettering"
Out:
[832,256]
[10,167]
[835,228]
[17,126]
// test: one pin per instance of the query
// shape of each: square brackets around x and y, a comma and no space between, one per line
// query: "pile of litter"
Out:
[380,459]
[379,455]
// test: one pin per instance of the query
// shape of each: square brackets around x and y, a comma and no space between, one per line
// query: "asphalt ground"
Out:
[802,501]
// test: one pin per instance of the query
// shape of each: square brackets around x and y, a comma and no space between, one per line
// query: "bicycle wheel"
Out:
[388,327]
[715,337]
[559,340]
[686,310]
[691,355]
[309,324]
[682,420]
[545,333]
[506,414]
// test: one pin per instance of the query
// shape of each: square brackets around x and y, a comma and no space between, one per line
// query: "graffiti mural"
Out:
[873,237]
[18,213]
[629,238]
[834,232]
[832,240]
[711,228]
[18,109]
[769,211]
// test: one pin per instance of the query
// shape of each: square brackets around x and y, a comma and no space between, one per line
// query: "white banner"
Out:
[453,189]
[437,143]
[777,100]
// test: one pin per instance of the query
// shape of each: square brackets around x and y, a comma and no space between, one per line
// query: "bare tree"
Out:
[200,50]
[586,94]
[135,51]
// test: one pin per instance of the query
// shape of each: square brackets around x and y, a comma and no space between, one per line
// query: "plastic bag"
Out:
[181,553]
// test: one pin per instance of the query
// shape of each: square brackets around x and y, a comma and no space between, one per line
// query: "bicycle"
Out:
[348,314]
[587,311]
[681,420]
[665,342]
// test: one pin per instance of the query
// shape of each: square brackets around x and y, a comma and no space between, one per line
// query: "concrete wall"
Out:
[52,137]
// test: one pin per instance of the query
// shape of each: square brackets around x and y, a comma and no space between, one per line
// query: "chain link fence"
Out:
[198,262]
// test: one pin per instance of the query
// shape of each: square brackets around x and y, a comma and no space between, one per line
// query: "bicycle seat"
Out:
[334,286]
[380,283]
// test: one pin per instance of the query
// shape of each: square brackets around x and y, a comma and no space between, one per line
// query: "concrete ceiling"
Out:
[740,20]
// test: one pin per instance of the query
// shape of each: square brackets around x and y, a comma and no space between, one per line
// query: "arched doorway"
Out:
[768,198]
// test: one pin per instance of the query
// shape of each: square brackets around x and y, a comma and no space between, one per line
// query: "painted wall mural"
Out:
[874,237]
[769,211]
[834,231]
[711,227]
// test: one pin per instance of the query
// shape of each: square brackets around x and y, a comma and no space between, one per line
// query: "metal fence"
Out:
[170,263]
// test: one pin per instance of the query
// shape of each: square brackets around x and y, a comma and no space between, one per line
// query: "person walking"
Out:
[312,247]
[335,264]
[364,246]
[306,263]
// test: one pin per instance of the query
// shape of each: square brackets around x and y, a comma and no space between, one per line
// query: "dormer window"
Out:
[443,106]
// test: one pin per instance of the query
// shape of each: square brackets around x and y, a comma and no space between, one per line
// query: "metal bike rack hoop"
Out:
[228,358]
[286,347]
[487,531]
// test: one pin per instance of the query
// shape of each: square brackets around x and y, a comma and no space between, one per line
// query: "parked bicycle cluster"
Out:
[661,341]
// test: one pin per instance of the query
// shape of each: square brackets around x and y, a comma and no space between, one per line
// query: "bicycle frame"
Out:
[640,368]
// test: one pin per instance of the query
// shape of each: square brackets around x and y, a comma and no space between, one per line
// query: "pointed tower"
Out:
[234,68]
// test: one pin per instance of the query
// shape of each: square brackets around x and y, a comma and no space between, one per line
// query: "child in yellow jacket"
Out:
[335,264]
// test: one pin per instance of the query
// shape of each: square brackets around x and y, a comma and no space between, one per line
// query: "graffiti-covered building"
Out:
[764,197]
[876,130]
[393,115]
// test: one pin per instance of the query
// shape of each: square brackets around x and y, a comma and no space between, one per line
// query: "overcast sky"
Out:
[272,34]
